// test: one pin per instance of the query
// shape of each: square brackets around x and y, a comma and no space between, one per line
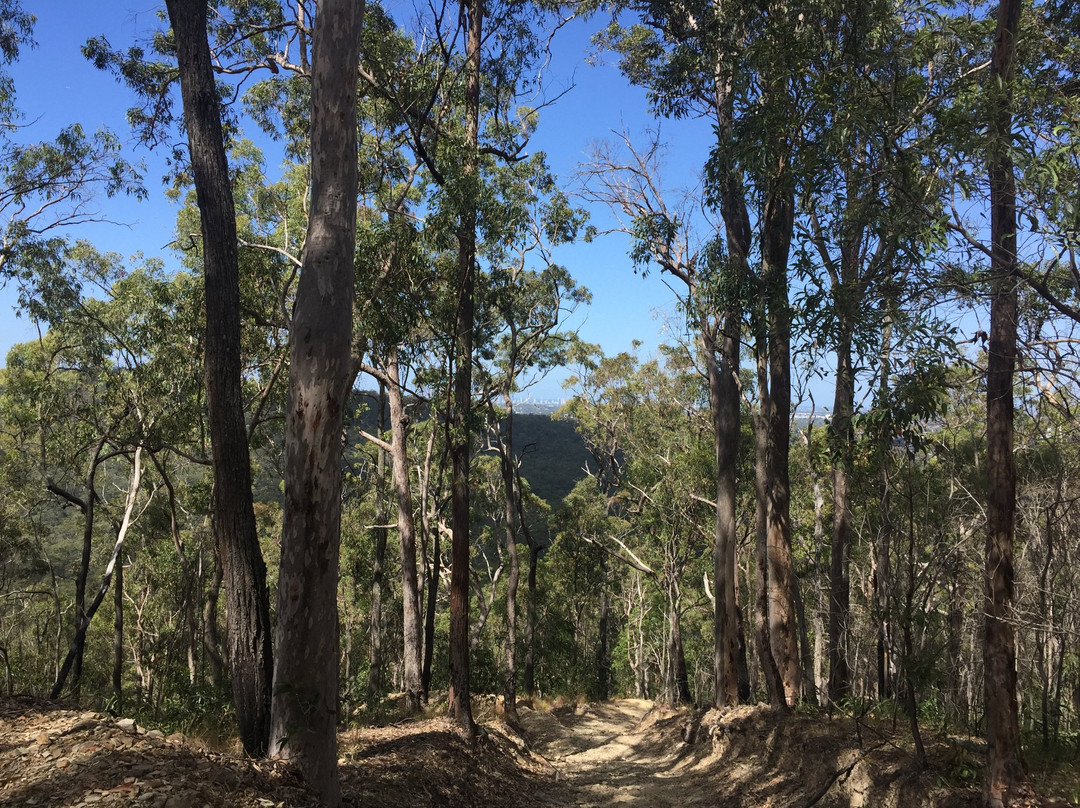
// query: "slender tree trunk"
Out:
[806,653]
[842,438]
[459,701]
[430,611]
[510,508]
[412,658]
[87,507]
[80,636]
[680,678]
[321,372]
[375,618]
[1006,777]
[235,532]
[211,636]
[118,639]
[603,653]
[883,549]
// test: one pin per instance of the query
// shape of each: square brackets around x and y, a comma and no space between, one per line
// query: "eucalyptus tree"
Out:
[747,67]
[321,373]
[1006,778]
[630,185]
[234,517]
[869,226]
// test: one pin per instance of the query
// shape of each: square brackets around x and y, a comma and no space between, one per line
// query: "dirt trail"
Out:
[601,760]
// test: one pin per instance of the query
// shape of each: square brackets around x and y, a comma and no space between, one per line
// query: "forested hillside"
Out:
[280,483]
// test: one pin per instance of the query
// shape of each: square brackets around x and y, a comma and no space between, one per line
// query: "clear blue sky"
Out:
[56,86]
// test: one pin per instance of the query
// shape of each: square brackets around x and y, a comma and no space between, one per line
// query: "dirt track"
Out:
[597,758]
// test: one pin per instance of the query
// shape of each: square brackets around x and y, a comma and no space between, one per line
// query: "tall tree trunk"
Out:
[412,659]
[510,510]
[460,707]
[883,550]
[378,576]
[1006,778]
[321,372]
[724,403]
[235,532]
[842,438]
[724,406]
[776,241]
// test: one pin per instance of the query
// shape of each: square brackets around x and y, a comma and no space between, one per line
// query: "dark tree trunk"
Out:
[510,510]
[774,684]
[724,406]
[321,372]
[460,707]
[235,533]
[745,691]
[118,639]
[412,659]
[1006,777]
[430,612]
[378,575]
[842,438]
[883,550]
[776,241]
[724,403]
[82,619]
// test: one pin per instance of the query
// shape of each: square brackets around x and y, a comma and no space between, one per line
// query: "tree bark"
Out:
[1006,776]
[460,708]
[378,576]
[776,241]
[883,550]
[118,639]
[724,406]
[321,372]
[510,508]
[412,660]
[235,532]
[842,438]
[774,685]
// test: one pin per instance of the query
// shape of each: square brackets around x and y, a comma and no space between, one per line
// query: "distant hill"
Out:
[553,456]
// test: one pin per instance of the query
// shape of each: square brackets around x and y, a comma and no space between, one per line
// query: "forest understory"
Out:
[628,752]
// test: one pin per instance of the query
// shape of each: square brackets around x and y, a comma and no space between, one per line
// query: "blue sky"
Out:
[56,86]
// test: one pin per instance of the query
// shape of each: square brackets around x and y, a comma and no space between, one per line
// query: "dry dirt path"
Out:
[601,758]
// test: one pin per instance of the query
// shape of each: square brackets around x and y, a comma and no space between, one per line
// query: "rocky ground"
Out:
[626,752]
